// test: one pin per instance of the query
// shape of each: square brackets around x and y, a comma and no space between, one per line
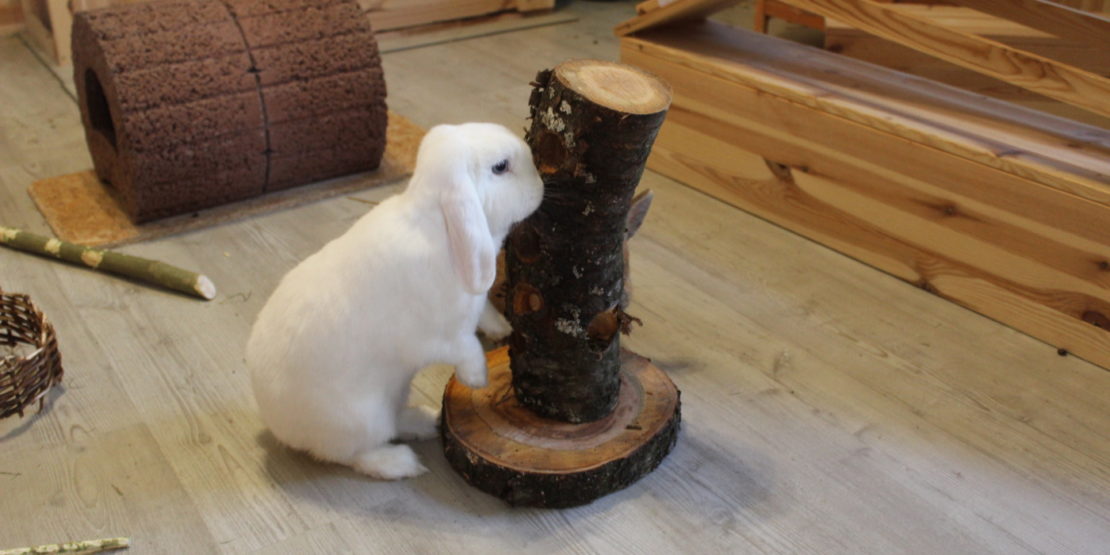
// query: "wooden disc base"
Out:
[506,450]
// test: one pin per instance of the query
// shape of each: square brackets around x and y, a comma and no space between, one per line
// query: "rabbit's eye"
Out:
[501,167]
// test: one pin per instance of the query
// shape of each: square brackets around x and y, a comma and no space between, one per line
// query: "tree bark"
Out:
[577,417]
[505,449]
[593,124]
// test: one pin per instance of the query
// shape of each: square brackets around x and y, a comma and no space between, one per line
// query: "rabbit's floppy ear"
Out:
[472,248]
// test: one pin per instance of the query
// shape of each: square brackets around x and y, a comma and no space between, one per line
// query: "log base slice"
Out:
[506,450]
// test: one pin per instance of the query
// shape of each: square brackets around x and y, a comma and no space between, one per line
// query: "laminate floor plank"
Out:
[827,407]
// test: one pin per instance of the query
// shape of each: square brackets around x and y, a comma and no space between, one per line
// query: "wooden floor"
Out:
[828,408]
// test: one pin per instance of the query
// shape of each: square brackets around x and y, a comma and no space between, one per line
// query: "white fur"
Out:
[334,350]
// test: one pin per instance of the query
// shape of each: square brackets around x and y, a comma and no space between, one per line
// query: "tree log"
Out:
[577,417]
[593,124]
[503,448]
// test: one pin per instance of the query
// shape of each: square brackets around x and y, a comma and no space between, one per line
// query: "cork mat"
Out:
[80,209]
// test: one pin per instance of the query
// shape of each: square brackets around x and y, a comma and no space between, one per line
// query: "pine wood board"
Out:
[454,31]
[11,17]
[1054,152]
[1096,6]
[1064,49]
[36,31]
[1069,20]
[849,41]
[653,15]
[1039,74]
[906,235]
[1030,256]
[81,209]
[766,9]
[1051,17]
[387,15]
[47,23]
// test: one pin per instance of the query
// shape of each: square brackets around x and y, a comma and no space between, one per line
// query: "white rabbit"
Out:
[333,352]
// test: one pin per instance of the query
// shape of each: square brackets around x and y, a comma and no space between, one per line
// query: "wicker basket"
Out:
[25,378]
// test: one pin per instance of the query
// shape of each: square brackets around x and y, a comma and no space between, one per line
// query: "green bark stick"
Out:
[89,546]
[141,269]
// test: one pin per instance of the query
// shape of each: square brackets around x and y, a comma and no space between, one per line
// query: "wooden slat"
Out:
[11,17]
[1036,73]
[1055,153]
[647,6]
[36,30]
[533,5]
[1087,5]
[399,14]
[47,23]
[781,10]
[995,28]
[1082,218]
[849,41]
[1024,254]
[454,31]
[1060,20]
[918,249]
[675,12]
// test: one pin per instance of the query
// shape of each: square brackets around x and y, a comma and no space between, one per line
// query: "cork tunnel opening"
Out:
[100,116]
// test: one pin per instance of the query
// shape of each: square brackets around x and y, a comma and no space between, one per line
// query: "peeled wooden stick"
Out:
[142,269]
[89,546]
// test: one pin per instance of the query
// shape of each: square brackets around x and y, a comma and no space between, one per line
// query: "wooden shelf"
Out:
[999,208]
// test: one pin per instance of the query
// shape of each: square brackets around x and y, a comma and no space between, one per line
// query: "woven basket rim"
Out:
[26,378]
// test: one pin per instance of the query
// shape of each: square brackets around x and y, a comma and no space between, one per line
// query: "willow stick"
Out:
[138,268]
[89,546]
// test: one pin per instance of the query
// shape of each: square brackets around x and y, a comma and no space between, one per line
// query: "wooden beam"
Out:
[11,17]
[674,12]
[525,6]
[1032,256]
[778,9]
[1087,5]
[1030,71]
[861,45]
[973,22]
[833,213]
[760,17]
[907,141]
[647,6]
[388,15]
[1050,17]
[37,30]
[1052,152]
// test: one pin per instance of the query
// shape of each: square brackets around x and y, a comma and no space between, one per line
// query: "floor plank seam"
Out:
[46,64]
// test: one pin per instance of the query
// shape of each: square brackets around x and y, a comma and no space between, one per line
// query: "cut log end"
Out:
[205,288]
[615,86]
[501,447]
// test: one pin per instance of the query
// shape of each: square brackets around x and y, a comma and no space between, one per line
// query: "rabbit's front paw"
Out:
[392,462]
[493,324]
[471,370]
